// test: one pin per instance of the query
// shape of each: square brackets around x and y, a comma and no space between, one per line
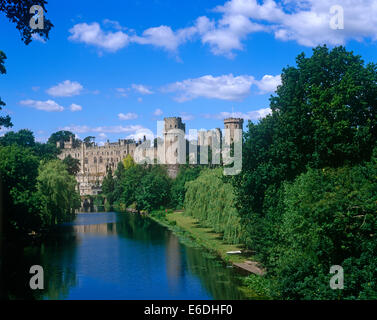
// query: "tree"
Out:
[23,138]
[323,114]
[108,187]
[4,121]
[57,189]
[19,12]
[154,190]
[89,141]
[128,162]
[18,173]
[63,136]
[72,165]
[178,190]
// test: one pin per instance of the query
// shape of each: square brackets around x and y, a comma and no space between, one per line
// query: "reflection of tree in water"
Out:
[174,268]
[140,228]
[58,262]
[220,282]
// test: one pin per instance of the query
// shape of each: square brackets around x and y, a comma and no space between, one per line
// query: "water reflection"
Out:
[123,256]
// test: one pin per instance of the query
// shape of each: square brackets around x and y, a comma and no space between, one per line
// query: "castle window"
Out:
[86,160]
[95,159]
[100,159]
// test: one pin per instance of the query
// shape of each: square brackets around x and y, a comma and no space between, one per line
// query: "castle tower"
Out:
[231,124]
[174,138]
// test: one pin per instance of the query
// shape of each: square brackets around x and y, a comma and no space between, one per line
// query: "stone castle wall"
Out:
[96,161]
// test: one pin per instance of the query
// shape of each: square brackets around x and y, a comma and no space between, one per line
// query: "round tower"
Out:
[231,124]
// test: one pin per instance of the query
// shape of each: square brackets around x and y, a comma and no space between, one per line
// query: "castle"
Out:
[96,161]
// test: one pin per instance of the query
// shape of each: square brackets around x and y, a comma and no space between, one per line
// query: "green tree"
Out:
[72,165]
[330,218]
[128,162]
[108,187]
[154,190]
[18,173]
[57,189]
[4,121]
[178,189]
[61,136]
[23,138]
[130,184]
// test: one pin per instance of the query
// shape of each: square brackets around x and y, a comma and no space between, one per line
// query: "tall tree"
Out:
[4,121]
[19,12]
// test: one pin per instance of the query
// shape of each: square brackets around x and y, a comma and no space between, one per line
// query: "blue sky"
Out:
[112,69]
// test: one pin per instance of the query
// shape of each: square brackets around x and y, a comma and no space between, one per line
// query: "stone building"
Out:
[96,161]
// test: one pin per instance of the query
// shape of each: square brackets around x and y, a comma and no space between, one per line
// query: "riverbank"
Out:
[190,231]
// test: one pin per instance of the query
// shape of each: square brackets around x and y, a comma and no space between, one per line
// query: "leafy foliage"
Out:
[57,189]
[19,12]
[307,191]
[211,201]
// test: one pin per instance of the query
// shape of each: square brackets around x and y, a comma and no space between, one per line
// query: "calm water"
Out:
[124,256]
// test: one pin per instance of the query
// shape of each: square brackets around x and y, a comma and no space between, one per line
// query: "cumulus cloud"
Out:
[250,115]
[48,105]
[127,116]
[141,89]
[66,88]
[102,129]
[75,107]
[225,87]
[268,83]
[158,112]
[165,37]
[305,21]
[92,34]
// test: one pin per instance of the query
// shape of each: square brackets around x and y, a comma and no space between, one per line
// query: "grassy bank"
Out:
[192,233]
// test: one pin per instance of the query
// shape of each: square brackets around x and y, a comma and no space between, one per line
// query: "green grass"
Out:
[202,236]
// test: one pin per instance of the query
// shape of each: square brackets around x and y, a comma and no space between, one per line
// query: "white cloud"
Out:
[305,21]
[165,37]
[102,129]
[225,87]
[140,133]
[250,115]
[48,105]
[139,99]
[66,88]
[37,37]
[186,116]
[158,112]
[127,116]
[268,83]
[122,91]
[141,89]
[75,107]
[92,34]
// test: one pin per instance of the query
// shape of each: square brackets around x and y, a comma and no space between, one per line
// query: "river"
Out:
[124,256]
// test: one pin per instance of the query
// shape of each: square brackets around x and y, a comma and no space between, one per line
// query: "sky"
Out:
[113,69]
